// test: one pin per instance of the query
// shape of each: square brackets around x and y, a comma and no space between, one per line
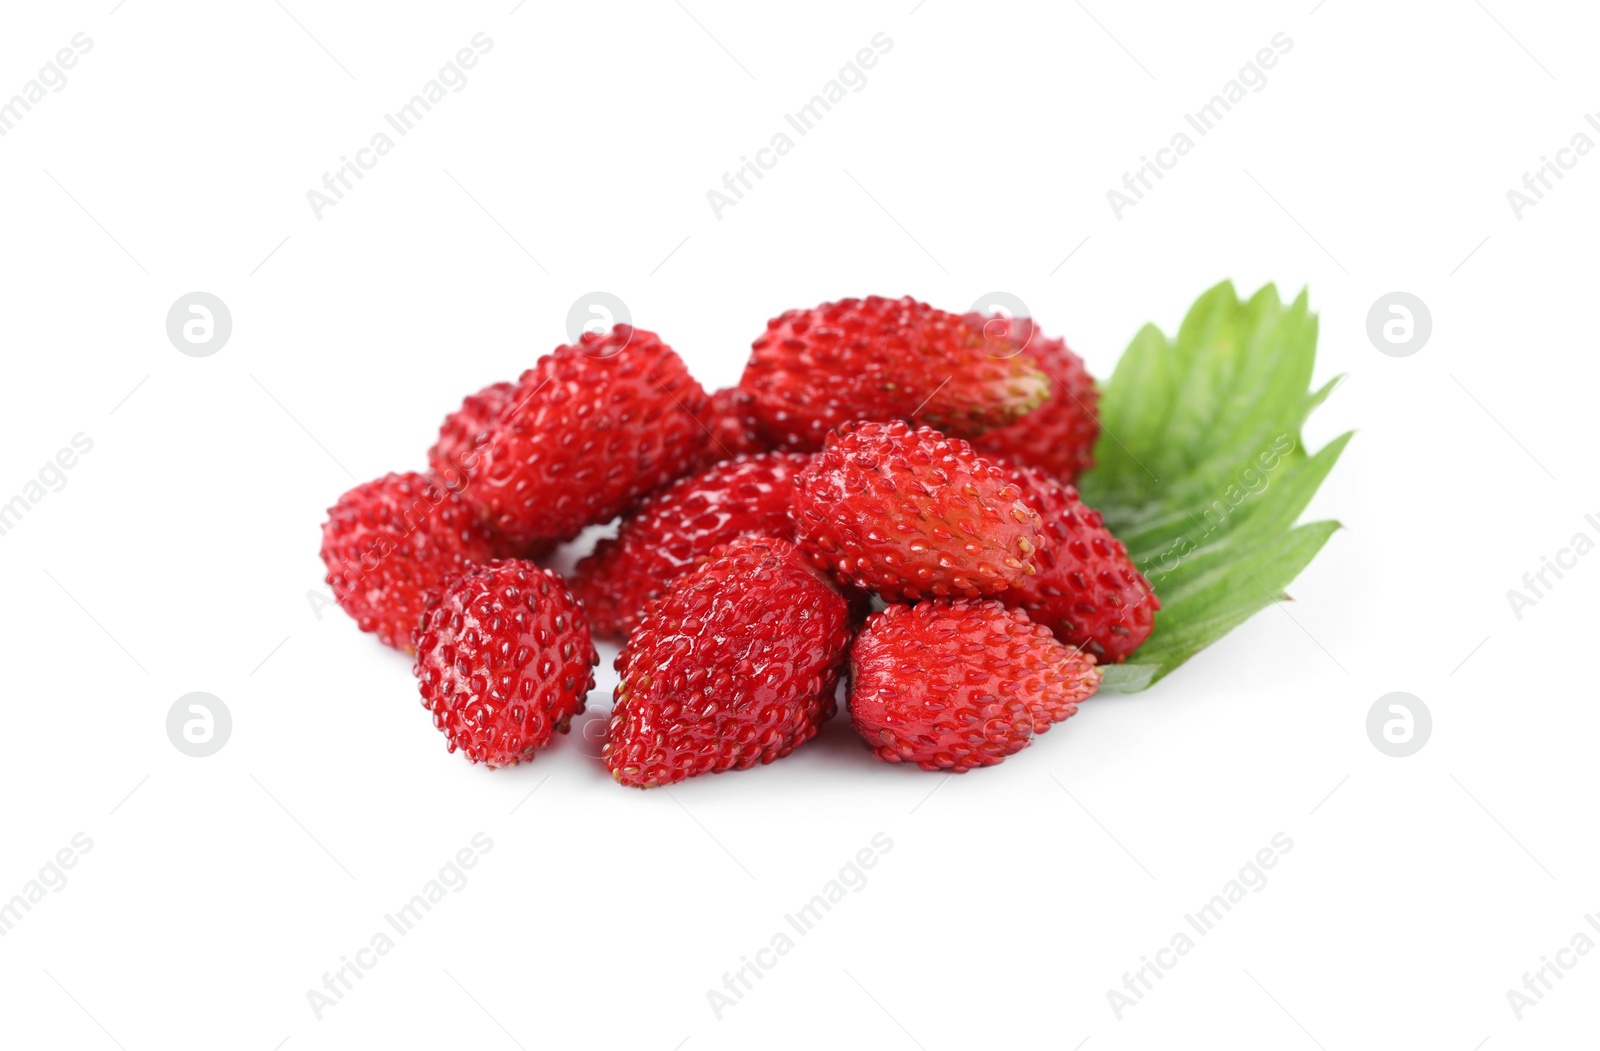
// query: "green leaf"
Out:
[1202,470]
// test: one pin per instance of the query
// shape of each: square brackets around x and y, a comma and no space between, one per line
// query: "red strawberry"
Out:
[735,666]
[912,514]
[590,429]
[1059,435]
[465,429]
[677,528]
[504,660]
[731,431]
[386,543]
[884,359]
[1085,588]
[952,685]
[463,433]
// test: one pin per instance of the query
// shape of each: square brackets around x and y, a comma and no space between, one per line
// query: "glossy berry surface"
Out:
[504,661]
[590,429]
[735,666]
[912,514]
[1084,588]
[677,528]
[464,430]
[455,454]
[388,542]
[731,430]
[1059,435]
[958,684]
[884,359]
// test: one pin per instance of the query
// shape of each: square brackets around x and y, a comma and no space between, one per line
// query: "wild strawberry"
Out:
[952,685]
[677,528]
[386,543]
[504,660]
[912,514]
[884,359]
[735,666]
[463,432]
[1059,435]
[1085,588]
[590,429]
[731,430]
[465,429]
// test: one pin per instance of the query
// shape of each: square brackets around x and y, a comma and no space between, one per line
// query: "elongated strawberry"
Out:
[677,528]
[389,541]
[1085,588]
[912,514]
[736,665]
[884,359]
[1059,435]
[590,429]
[504,661]
[957,684]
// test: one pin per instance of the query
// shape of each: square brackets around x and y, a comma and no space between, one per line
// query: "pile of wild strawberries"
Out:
[890,486]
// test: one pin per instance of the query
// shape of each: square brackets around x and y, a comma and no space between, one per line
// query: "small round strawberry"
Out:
[504,660]
[884,359]
[464,430]
[957,684]
[1085,588]
[386,543]
[1059,435]
[731,430]
[912,514]
[677,528]
[590,429]
[735,666]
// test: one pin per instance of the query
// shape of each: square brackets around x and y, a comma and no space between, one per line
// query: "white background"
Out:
[180,554]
